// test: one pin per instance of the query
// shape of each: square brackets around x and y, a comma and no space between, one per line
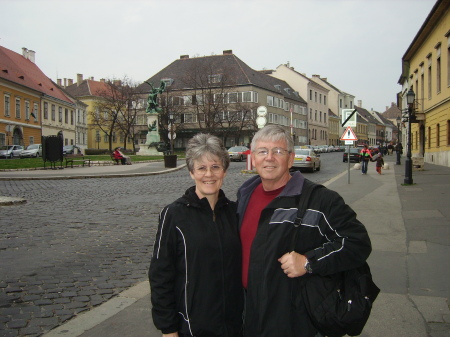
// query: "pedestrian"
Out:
[379,162]
[330,239]
[390,148]
[399,148]
[195,271]
[365,157]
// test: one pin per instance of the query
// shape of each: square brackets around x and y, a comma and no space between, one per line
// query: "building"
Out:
[316,97]
[220,94]
[31,104]
[426,71]
[100,113]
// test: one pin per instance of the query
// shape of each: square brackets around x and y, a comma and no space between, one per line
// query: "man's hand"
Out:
[293,264]
[173,334]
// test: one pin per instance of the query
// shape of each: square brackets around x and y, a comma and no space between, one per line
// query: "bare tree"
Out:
[116,110]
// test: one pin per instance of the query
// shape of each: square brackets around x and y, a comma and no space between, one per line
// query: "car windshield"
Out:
[302,152]
[236,149]
[67,147]
[32,146]
[5,147]
[353,150]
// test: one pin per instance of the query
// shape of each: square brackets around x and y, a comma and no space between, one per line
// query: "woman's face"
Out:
[208,175]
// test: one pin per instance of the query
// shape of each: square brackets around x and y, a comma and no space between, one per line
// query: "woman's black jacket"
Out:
[195,271]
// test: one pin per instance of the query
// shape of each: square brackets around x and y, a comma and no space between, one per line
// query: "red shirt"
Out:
[258,201]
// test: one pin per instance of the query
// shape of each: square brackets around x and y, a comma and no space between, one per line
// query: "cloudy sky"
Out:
[356,44]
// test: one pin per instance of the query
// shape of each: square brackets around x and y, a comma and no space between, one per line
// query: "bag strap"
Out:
[307,189]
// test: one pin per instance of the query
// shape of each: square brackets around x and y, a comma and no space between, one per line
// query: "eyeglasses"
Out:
[276,151]
[213,168]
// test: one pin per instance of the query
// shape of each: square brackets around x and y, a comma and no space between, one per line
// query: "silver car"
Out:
[238,153]
[10,151]
[306,158]
[33,150]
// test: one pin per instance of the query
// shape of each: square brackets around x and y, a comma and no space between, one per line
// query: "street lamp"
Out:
[398,141]
[171,120]
[408,163]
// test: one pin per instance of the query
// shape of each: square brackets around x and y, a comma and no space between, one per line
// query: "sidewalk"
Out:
[409,229]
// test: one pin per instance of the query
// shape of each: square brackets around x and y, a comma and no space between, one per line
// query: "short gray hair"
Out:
[273,133]
[206,144]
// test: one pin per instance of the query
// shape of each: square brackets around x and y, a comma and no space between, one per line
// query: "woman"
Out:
[195,271]
[118,155]
[365,157]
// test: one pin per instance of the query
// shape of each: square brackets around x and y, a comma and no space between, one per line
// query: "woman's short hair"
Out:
[273,133]
[205,144]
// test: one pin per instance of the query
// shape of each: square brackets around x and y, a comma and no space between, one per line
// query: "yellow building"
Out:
[426,71]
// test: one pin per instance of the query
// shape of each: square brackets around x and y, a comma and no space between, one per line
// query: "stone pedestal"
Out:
[152,137]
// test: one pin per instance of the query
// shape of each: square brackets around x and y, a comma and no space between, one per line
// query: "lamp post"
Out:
[398,141]
[408,163]
[171,131]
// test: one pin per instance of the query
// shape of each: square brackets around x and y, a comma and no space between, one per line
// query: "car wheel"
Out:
[241,158]
[37,154]
[11,156]
[313,168]
[318,168]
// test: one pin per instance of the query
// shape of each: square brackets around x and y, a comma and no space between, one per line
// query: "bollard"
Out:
[249,163]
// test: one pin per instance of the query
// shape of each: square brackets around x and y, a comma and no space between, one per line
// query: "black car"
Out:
[355,155]
[71,149]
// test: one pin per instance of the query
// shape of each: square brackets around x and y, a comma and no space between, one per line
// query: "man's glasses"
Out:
[276,152]
[213,168]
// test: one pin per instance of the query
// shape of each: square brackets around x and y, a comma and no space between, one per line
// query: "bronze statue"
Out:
[152,127]
[153,97]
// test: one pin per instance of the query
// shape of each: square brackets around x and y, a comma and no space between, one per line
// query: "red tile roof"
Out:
[18,69]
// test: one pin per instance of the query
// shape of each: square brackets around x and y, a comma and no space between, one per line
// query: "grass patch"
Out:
[11,164]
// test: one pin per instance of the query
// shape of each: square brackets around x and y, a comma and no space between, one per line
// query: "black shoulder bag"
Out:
[341,303]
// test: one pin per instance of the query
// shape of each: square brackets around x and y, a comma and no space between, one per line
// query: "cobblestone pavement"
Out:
[76,243]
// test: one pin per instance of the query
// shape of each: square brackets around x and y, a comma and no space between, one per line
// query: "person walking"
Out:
[195,270]
[365,157]
[330,239]
[379,162]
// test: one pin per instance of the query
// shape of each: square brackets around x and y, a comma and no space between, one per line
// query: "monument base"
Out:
[144,150]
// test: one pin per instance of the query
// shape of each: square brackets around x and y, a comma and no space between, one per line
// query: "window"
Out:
[270,100]
[60,115]
[250,96]
[438,68]
[214,78]
[340,103]
[429,76]
[27,110]
[36,113]
[66,116]
[53,112]
[188,118]
[31,140]
[45,110]
[114,137]
[429,137]
[310,95]
[167,81]
[310,113]
[438,135]
[320,98]
[105,138]
[71,117]
[448,132]
[2,139]
[324,100]
[17,107]
[233,97]
[7,106]
[276,102]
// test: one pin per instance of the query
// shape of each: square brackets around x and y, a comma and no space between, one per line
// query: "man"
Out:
[366,155]
[330,239]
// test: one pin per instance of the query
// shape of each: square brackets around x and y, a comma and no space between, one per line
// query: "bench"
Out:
[77,158]
[114,160]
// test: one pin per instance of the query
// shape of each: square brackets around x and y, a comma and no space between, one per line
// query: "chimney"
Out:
[288,64]
[65,82]
[58,81]
[318,76]
[102,80]
[360,103]
[387,107]
[324,79]
[70,81]
[228,52]
[31,55]
[79,79]
[184,57]
[91,78]
[25,52]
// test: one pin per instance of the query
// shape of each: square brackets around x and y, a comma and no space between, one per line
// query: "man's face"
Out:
[273,168]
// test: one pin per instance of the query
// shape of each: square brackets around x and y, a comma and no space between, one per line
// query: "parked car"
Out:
[10,151]
[323,148]
[355,155]
[237,153]
[33,150]
[71,149]
[306,158]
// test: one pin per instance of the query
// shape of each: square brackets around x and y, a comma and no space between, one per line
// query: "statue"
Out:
[153,97]
[152,127]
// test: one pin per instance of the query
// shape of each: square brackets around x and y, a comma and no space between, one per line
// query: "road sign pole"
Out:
[348,159]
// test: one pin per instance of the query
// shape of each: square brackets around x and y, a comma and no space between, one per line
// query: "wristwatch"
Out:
[308,267]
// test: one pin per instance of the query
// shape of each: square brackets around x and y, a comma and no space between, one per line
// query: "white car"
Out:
[306,158]
[10,151]
[33,150]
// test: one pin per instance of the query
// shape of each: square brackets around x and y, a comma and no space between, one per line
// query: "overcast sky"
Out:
[357,45]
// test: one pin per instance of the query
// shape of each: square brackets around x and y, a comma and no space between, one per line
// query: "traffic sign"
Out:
[349,134]
[346,113]
[172,134]
[261,121]
[261,111]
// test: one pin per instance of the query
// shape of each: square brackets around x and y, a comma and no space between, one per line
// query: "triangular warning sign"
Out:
[348,134]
